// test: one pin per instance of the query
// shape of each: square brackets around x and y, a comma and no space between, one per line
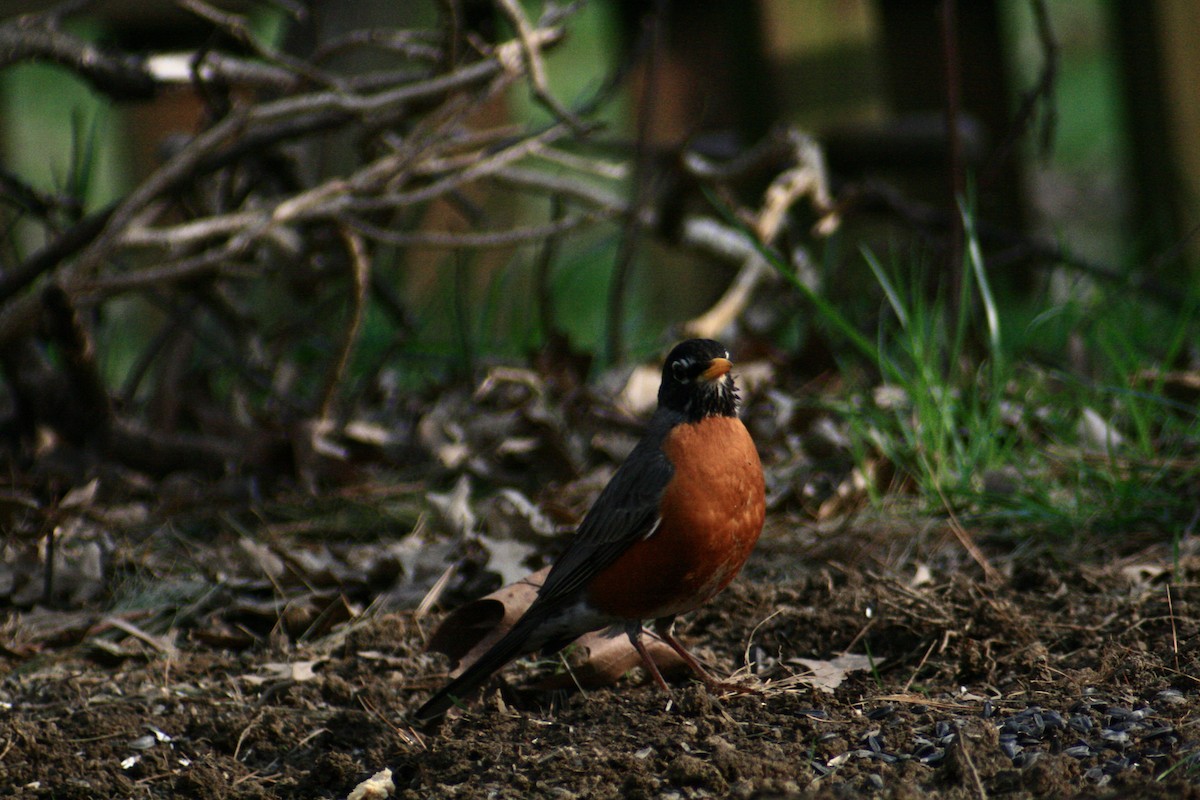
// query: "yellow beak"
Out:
[716,368]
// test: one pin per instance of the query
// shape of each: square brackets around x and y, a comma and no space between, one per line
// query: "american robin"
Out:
[669,531]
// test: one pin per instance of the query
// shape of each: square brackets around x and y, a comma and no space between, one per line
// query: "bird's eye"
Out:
[679,370]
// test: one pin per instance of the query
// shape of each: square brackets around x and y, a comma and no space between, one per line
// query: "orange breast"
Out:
[712,515]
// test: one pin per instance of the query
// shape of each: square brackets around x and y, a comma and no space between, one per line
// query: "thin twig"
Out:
[238,29]
[536,68]
[480,239]
[1174,635]
[969,763]
[908,684]
[991,574]
[37,37]
[360,271]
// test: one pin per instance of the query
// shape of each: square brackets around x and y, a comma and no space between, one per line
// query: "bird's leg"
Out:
[634,632]
[664,628]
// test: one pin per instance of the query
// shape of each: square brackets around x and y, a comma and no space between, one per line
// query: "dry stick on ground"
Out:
[1174,635]
[965,750]
[917,670]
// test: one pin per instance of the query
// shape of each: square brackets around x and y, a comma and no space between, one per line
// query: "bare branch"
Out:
[532,53]
[481,239]
[37,38]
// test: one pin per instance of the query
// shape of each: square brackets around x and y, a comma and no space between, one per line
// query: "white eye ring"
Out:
[679,370]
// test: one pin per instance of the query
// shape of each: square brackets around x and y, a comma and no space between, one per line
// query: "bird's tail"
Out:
[515,643]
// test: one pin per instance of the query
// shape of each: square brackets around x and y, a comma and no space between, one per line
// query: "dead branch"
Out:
[37,37]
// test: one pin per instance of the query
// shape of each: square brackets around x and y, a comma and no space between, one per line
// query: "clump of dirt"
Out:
[1062,681]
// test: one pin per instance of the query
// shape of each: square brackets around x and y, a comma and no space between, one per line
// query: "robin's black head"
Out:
[696,381]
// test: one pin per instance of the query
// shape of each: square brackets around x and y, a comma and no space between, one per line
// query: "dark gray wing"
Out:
[625,512]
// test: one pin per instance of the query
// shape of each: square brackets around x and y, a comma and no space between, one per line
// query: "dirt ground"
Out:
[1060,679]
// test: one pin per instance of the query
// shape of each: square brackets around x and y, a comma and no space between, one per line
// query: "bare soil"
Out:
[1058,680]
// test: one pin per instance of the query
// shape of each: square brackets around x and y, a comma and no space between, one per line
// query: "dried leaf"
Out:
[600,659]
[851,495]
[263,557]
[370,433]
[320,440]
[81,496]
[507,558]
[596,659]
[511,503]
[471,629]
[828,675]
[922,577]
[641,389]
[1141,574]
[454,507]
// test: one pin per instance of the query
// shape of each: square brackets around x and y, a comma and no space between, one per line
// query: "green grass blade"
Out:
[975,257]
[886,284]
